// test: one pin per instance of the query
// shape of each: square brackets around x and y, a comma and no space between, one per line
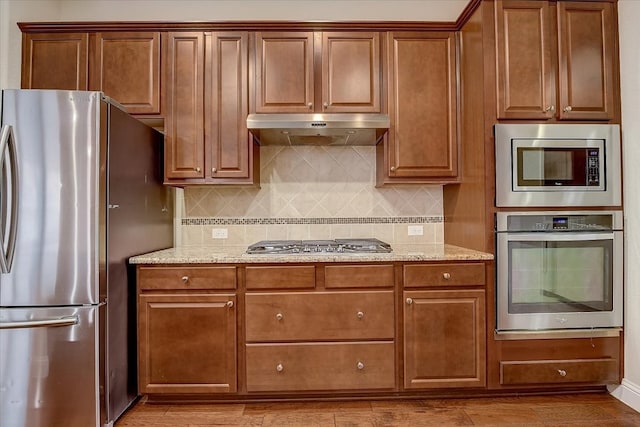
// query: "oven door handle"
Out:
[559,237]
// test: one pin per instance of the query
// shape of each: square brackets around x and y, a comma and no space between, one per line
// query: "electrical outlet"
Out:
[415,230]
[220,233]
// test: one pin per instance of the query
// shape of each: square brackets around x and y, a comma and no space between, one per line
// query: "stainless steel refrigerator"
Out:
[80,192]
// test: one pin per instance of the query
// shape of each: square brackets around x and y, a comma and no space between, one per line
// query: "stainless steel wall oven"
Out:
[559,270]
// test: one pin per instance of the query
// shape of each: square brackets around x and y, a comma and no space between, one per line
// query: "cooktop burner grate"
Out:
[302,247]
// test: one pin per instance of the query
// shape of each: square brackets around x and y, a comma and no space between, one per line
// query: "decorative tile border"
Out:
[313,221]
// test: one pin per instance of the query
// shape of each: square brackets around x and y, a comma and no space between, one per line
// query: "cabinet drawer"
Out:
[444,275]
[281,277]
[319,316]
[358,276]
[179,278]
[320,366]
[600,371]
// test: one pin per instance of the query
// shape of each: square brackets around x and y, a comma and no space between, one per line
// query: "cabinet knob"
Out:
[325,105]
[392,168]
[360,365]
[279,316]
[550,108]
[409,301]
[279,367]
[310,105]
[567,108]
[446,276]
[360,314]
[185,279]
[197,169]
[229,304]
[562,372]
[214,170]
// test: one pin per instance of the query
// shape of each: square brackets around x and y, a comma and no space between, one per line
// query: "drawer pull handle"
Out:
[562,372]
[279,316]
[446,276]
[185,279]
[360,365]
[409,301]
[229,304]
[360,315]
[279,367]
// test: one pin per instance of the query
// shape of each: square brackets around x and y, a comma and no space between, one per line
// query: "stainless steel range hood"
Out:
[318,129]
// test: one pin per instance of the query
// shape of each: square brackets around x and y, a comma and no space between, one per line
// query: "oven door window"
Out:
[560,276]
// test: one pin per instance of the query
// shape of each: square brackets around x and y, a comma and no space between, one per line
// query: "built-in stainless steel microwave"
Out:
[547,165]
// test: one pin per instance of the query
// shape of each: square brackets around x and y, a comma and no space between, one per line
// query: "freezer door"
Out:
[56,213]
[49,364]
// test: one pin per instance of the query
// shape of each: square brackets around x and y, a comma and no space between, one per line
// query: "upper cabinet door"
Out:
[55,61]
[184,104]
[226,106]
[422,141]
[525,73]
[284,72]
[587,60]
[350,72]
[126,67]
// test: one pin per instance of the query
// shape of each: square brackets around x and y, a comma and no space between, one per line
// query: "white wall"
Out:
[12,11]
[629,16]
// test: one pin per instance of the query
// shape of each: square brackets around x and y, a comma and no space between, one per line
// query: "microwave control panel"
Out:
[593,167]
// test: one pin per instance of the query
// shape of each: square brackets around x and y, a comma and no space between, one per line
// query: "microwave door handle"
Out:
[559,237]
[8,198]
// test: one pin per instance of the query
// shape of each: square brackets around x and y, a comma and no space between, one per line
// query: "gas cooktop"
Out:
[349,246]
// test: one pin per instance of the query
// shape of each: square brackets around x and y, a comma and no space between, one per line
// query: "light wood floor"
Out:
[592,410]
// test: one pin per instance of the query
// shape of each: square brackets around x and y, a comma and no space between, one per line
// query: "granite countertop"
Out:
[237,255]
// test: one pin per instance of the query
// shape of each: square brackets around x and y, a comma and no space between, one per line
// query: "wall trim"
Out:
[628,393]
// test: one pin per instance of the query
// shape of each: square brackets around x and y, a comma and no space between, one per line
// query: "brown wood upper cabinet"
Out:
[422,142]
[329,72]
[555,60]
[126,66]
[123,65]
[55,61]
[206,100]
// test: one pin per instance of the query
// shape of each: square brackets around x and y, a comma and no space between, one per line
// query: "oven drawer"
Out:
[600,371]
[320,366]
[184,278]
[319,316]
[281,277]
[425,275]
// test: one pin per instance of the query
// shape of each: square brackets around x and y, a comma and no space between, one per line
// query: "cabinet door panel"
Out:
[586,51]
[187,343]
[184,105]
[126,67]
[422,141]
[227,132]
[525,72]
[284,72]
[350,72]
[444,339]
[55,61]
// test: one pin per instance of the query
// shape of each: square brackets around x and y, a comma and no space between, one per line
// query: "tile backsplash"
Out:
[310,192]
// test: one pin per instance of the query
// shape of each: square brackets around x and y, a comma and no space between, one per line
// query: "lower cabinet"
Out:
[187,330]
[444,339]
[313,339]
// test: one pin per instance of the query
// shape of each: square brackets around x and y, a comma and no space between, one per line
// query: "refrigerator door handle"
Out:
[47,323]
[8,198]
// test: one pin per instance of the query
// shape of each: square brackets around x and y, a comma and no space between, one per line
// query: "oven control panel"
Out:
[519,222]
